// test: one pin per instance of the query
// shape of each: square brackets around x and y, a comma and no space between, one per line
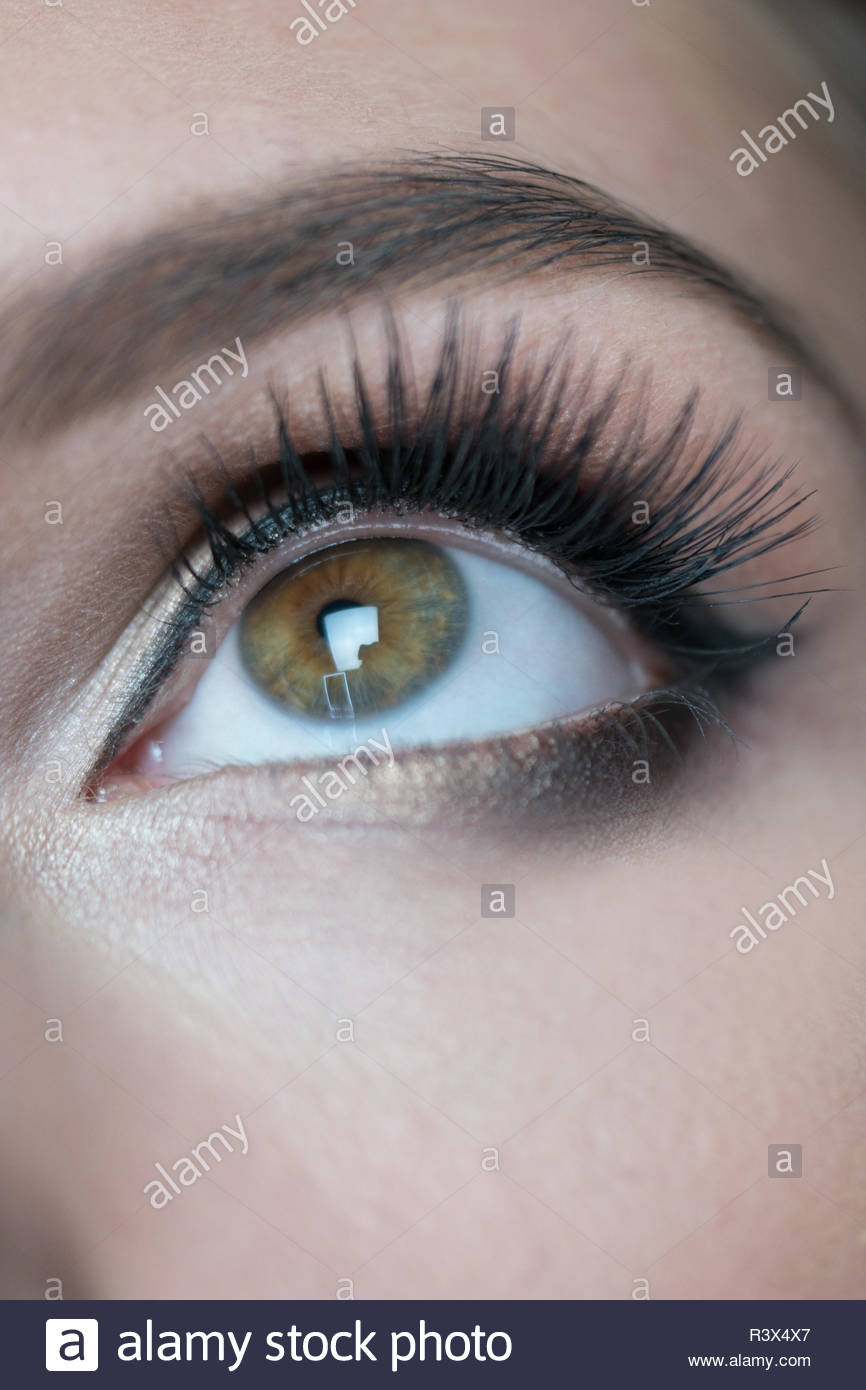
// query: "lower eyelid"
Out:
[608,779]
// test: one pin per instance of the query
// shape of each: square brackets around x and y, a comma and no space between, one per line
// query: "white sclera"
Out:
[552,661]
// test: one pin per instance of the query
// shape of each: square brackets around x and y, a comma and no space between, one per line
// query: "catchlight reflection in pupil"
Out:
[355,629]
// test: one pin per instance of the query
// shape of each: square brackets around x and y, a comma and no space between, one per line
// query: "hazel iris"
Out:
[355,629]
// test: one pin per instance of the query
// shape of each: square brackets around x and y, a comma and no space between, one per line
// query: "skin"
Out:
[497,1127]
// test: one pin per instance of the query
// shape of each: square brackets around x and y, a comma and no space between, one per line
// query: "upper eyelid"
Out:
[690,498]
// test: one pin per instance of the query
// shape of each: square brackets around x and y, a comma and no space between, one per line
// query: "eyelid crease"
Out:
[497,463]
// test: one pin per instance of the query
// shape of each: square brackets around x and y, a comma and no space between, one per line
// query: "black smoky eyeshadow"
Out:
[637,525]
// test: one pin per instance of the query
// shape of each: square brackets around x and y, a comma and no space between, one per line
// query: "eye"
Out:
[497,576]
[399,641]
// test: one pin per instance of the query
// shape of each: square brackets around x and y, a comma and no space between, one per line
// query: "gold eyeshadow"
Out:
[355,629]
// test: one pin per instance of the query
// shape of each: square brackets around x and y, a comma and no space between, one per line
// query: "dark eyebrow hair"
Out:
[418,219]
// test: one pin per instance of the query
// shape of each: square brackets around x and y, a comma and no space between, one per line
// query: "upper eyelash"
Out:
[495,470]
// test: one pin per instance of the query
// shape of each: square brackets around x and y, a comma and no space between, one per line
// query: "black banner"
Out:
[411,1344]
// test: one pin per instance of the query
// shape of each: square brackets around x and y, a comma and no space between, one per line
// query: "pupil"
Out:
[338,605]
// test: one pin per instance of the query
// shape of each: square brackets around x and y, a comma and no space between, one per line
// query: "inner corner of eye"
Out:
[398,638]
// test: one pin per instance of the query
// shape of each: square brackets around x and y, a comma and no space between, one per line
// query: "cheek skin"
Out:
[519,1031]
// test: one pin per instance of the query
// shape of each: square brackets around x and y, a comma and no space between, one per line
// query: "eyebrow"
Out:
[414,221]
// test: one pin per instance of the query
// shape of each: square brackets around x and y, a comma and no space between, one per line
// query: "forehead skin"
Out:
[495,1128]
